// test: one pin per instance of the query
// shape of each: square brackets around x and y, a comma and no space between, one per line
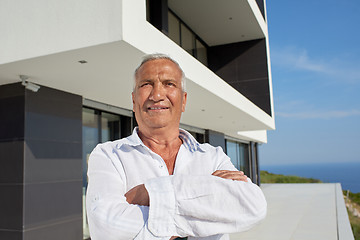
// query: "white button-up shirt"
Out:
[191,202]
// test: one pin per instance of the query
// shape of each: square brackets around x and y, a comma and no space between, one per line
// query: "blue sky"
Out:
[315,61]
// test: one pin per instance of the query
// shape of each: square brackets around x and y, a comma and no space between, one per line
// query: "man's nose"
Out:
[158,92]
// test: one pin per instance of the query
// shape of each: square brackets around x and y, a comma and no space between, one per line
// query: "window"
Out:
[99,126]
[239,155]
[110,127]
[201,53]
[174,28]
[187,39]
[181,34]
[232,152]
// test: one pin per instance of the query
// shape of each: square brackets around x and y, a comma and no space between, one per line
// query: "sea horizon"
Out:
[346,173]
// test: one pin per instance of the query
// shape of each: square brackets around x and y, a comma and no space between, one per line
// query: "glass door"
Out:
[98,127]
[238,153]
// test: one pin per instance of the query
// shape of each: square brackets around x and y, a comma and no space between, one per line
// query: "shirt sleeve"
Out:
[223,160]
[200,206]
[110,217]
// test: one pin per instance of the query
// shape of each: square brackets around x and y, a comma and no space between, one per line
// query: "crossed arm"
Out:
[138,195]
[177,205]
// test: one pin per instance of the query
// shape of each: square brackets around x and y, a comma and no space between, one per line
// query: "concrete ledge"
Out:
[344,227]
[302,212]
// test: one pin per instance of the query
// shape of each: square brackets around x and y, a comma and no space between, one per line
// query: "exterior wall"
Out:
[255,136]
[40,178]
[12,135]
[68,25]
[261,5]
[244,66]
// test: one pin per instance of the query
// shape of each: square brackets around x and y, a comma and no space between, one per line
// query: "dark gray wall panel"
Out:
[53,115]
[53,102]
[12,118]
[253,87]
[11,90]
[261,100]
[52,161]
[11,162]
[71,229]
[12,104]
[11,235]
[52,127]
[11,207]
[54,149]
[40,164]
[244,66]
[46,203]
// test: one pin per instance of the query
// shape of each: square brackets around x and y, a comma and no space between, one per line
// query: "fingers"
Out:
[234,175]
[221,173]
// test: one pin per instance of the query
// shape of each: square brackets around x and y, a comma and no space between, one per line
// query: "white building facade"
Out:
[82,55]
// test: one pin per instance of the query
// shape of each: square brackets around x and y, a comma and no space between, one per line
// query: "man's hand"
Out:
[234,175]
[138,195]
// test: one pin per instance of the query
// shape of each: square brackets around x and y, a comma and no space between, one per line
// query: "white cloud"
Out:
[319,114]
[299,59]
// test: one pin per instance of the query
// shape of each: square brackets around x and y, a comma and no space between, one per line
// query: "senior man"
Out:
[160,183]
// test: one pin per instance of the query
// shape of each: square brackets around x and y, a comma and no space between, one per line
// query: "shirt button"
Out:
[161,166]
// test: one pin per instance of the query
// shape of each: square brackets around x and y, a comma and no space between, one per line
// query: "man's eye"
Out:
[170,84]
[144,84]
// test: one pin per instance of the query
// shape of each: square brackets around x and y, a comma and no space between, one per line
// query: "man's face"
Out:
[158,98]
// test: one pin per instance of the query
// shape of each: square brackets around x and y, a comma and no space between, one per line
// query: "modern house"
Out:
[66,77]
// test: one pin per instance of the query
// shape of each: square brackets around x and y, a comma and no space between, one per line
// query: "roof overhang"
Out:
[107,77]
[219,22]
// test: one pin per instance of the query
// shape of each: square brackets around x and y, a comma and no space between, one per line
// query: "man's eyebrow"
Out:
[169,80]
[145,80]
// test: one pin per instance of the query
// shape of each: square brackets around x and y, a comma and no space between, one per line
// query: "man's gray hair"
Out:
[156,56]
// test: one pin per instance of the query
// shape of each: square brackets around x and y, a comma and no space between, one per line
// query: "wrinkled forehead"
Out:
[159,67]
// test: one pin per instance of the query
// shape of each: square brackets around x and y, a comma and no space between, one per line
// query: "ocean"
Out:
[348,174]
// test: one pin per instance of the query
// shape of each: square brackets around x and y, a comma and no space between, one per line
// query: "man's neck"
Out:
[165,143]
[161,137]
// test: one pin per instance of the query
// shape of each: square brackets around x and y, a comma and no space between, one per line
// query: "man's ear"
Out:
[133,101]
[184,101]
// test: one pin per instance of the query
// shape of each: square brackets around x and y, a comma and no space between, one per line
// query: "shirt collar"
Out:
[189,141]
[132,140]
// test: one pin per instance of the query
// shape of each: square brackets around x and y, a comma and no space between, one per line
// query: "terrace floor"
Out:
[312,211]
